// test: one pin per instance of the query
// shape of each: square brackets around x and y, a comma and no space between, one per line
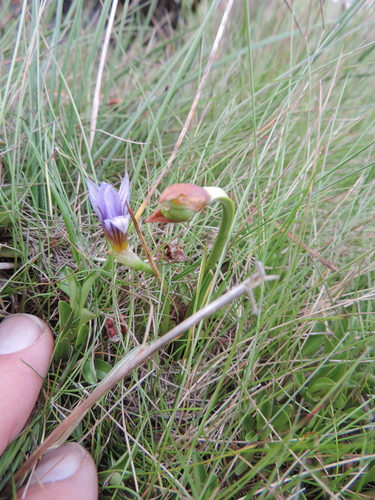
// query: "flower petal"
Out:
[115,234]
[110,202]
[121,223]
[95,198]
[124,193]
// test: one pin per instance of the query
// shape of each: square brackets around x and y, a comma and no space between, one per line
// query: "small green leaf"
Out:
[321,387]
[165,324]
[263,416]
[318,327]
[360,378]
[315,421]
[69,285]
[77,432]
[330,342]
[288,389]
[341,399]
[88,372]
[199,472]
[102,368]
[369,477]
[5,219]
[264,413]
[250,436]
[82,336]
[241,467]
[299,379]
[123,462]
[283,419]
[117,479]
[95,371]
[313,345]
[85,316]
[337,327]
[62,350]
[356,413]
[248,423]
[64,286]
[213,484]
[244,461]
[337,372]
[9,253]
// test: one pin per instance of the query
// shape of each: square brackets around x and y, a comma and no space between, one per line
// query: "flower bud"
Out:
[179,202]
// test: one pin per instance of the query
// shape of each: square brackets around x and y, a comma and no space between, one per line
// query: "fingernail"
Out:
[18,332]
[59,464]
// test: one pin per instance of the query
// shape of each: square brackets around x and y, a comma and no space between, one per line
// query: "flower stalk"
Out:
[227,205]
[131,260]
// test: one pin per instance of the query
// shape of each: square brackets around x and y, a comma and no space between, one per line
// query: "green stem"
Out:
[219,195]
[181,346]
[132,260]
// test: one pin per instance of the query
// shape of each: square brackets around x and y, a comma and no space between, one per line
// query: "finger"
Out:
[26,345]
[66,472]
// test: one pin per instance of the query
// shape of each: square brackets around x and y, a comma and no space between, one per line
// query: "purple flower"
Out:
[112,209]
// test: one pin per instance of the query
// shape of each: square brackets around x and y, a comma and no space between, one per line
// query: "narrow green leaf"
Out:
[86,287]
[66,317]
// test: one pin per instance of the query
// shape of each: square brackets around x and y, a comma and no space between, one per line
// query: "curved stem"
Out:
[219,195]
